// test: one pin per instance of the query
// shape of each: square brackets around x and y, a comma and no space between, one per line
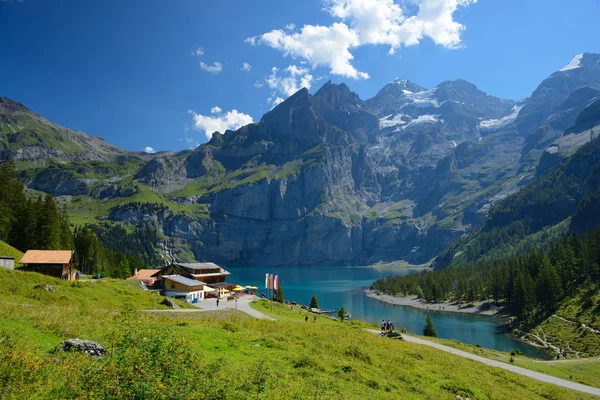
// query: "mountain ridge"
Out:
[327,178]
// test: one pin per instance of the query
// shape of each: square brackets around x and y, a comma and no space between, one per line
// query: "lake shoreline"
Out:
[400,265]
[479,308]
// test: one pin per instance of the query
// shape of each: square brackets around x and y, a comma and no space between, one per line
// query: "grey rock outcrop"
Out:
[169,303]
[88,347]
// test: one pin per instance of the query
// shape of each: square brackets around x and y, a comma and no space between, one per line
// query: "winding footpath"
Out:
[508,367]
[243,305]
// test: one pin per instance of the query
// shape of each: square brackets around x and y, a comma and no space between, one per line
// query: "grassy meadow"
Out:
[218,355]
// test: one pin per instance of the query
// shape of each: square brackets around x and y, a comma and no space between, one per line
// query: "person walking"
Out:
[306,318]
[382,326]
[217,302]
[314,319]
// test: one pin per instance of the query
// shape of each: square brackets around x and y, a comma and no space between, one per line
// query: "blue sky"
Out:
[131,72]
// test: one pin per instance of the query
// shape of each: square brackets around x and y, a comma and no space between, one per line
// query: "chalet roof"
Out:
[184,281]
[204,265]
[47,257]
[144,274]
[221,285]
[212,274]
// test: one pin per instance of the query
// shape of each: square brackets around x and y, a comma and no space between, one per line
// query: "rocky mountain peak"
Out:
[336,95]
[582,71]
[9,106]
[582,61]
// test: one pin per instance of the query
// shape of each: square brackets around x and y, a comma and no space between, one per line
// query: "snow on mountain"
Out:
[574,64]
[422,99]
[423,119]
[493,124]
[387,122]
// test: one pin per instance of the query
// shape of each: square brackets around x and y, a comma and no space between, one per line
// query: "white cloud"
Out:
[198,52]
[246,67]
[366,22]
[284,83]
[259,84]
[219,122]
[274,101]
[149,150]
[213,69]
[290,27]
[319,45]
[296,79]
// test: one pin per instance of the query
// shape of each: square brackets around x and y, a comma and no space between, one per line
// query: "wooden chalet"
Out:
[180,287]
[208,273]
[145,275]
[56,263]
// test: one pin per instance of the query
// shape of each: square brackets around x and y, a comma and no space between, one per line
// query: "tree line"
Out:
[531,284]
[30,223]
[36,222]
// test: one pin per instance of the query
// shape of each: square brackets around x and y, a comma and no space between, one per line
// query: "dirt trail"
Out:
[518,370]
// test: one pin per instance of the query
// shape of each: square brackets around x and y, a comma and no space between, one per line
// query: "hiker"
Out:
[392,327]
[382,326]
[387,325]
[314,319]
[306,318]
[217,302]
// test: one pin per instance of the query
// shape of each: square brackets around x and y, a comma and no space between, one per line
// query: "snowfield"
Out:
[493,124]
[574,64]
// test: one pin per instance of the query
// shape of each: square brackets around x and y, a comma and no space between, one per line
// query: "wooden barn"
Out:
[56,263]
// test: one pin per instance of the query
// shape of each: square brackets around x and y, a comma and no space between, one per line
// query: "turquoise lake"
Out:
[336,286]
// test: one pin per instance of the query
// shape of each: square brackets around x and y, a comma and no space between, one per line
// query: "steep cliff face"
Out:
[320,179]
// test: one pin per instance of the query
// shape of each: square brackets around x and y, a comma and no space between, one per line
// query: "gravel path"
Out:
[243,305]
[521,371]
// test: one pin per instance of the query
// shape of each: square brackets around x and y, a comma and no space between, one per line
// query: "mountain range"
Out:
[321,179]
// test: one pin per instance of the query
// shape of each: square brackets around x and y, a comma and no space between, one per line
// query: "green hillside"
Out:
[536,214]
[217,355]
[9,251]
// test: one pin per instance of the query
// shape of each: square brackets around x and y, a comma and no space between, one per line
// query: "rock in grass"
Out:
[169,303]
[47,287]
[88,347]
[393,335]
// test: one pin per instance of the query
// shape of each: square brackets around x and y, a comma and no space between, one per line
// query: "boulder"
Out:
[393,335]
[169,303]
[47,288]
[88,347]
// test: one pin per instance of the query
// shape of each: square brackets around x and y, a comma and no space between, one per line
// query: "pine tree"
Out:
[314,303]
[429,329]
[66,237]
[279,294]
[548,284]
[342,313]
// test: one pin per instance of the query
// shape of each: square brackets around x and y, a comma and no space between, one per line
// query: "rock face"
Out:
[88,347]
[325,178]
